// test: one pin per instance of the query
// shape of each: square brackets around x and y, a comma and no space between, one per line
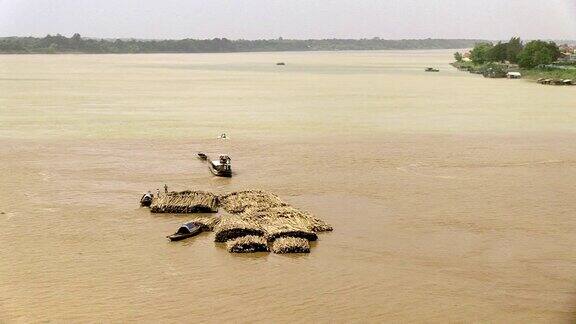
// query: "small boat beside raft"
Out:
[185,231]
[221,167]
[146,199]
[202,156]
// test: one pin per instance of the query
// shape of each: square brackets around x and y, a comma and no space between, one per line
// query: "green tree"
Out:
[513,49]
[480,53]
[537,53]
[458,57]
[53,48]
[498,53]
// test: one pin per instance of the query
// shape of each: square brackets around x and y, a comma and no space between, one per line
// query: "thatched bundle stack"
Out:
[281,222]
[288,244]
[231,227]
[256,219]
[206,222]
[185,202]
[242,201]
[288,229]
[247,244]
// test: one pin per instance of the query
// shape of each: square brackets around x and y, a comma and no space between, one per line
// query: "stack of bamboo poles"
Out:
[232,227]
[242,201]
[185,202]
[276,220]
[256,220]
[247,244]
[206,222]
[289,244]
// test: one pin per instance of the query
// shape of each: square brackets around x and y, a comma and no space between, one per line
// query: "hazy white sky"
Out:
[253,19]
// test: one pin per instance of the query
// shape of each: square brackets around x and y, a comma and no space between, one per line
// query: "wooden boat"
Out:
[146,200]
[202,156]
[221,167]
[280,63]
[429,69]
[185,231]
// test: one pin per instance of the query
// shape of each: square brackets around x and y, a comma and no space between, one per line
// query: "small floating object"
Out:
[185,231]
[202,156]
[221,167]
[223,136]
[280,63]
[429,69]
[146,199]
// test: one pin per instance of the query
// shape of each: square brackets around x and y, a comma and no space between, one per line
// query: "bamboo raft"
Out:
[255,220]
[249,200]
[185,202]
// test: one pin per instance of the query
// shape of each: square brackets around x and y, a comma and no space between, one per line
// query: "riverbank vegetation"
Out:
[535,59]
[77,44]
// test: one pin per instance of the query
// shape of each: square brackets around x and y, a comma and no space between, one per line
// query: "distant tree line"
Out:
[530,55]
[78,44]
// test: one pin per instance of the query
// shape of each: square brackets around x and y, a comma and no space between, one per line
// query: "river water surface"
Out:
[452,196]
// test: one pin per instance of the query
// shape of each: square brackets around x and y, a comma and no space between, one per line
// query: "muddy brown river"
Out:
[452,196]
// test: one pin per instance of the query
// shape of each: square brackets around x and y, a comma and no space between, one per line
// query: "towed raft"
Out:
[221,167]
[186,230]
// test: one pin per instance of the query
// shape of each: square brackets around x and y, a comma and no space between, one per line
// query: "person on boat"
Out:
[165,188]
[158,193]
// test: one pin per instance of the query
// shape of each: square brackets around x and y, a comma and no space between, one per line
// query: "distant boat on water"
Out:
[429,69]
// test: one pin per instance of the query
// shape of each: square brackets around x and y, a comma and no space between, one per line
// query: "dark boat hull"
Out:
[145,202]
[219,173]
[202,156]
[182,235]
[179,237]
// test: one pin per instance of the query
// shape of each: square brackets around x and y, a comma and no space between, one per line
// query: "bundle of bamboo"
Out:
[231,227]
[291,217]
[242,201]
[247,244]
[284,245]
[185,202]
[256,217]
[207,222]
[281,222]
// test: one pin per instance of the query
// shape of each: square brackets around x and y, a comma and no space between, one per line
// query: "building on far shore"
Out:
[569,53]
